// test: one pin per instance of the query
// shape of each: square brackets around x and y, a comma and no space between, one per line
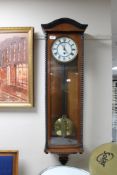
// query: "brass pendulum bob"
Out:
[63,126]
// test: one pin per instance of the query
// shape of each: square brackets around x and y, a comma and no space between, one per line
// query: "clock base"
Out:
[63,158]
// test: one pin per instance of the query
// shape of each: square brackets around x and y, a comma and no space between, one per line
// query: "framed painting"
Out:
[16,67]
[9,162]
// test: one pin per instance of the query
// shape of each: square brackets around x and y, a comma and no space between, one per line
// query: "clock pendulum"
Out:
[63,125]
[64,87]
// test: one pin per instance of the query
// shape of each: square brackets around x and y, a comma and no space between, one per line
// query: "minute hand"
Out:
[65,51]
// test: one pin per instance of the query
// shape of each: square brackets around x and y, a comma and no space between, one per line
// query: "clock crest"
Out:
[64,87]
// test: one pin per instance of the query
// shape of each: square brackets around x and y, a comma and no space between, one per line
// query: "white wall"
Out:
[114,16]
[114,30]
[24,129]
[114,56]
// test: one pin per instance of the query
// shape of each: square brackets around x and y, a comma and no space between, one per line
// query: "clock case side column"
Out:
[81,71]
[46,97]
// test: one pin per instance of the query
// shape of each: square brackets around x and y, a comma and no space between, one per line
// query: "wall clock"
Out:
[64,87]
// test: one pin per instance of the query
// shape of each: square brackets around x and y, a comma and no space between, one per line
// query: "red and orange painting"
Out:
[14,67]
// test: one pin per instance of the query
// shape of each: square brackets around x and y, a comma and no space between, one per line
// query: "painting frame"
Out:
[16,67]
[13,154]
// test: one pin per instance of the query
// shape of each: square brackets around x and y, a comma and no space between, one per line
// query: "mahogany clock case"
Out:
[64,90]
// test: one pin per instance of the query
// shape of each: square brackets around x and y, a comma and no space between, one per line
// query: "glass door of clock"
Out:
[64,95]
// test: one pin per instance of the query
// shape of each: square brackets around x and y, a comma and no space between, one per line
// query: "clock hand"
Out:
[64,49]
[63,46]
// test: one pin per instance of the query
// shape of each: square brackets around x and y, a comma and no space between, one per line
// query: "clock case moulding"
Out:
[64,27]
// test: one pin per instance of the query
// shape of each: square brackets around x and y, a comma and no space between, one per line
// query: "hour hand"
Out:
[63,46]
[64,49]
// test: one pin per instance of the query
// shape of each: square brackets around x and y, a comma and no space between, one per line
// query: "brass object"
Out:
[103,160]
[63,126]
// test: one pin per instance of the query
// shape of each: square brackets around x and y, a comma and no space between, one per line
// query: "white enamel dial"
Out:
[64,49]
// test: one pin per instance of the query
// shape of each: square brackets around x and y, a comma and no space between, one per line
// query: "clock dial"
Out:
[64,49]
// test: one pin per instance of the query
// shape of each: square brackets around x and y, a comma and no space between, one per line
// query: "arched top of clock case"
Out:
[64,25]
